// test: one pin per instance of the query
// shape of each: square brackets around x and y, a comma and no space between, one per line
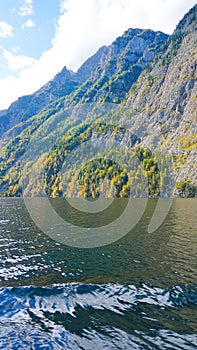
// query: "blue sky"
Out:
[32,28]
[39,37]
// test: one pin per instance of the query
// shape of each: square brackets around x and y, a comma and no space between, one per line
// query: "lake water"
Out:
[139,292]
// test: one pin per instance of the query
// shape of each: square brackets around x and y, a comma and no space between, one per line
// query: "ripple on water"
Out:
[110,316]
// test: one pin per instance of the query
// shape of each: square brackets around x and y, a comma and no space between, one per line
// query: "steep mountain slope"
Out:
[27,106]
[63,84]
[123,61]
[92,63]
[165,97]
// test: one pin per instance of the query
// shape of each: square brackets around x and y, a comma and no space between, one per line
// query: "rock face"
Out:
[92,63]
[120,65]
[165,97]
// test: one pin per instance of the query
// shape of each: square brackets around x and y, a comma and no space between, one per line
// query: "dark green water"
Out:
[139,292]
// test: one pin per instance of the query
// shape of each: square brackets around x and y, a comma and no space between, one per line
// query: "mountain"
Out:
[151,79]
[121,64]
[62,84]
[106,68]
[165,97]
[92,63]
[19,111]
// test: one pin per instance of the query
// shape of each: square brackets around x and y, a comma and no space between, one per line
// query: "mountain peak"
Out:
[92,63]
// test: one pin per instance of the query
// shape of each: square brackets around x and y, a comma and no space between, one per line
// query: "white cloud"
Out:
[84,26]
[17,62]
[15,49]
[26,9]
[29,23]
[5,30]
[63,5]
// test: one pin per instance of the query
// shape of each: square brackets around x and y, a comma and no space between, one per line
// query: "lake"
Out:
[139,292]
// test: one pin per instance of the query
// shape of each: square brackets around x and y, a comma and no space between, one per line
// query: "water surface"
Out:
[138,293]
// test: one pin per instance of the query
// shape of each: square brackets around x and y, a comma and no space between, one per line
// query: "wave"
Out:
[107,316]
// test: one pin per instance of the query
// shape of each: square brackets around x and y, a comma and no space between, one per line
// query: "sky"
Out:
[39,37]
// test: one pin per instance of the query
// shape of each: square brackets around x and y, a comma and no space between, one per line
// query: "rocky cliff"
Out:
[165,97]
[120,65]
[154,78]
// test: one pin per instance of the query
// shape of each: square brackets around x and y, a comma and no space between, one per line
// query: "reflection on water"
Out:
[138,293]
[164,257]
